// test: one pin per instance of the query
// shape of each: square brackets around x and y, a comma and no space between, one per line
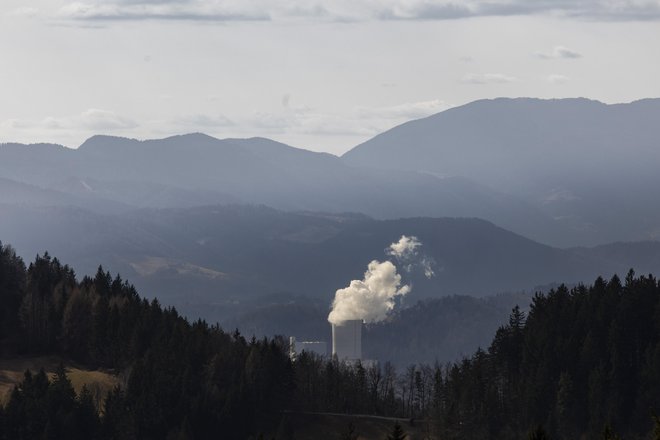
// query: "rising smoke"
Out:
[406,252]
[371,298]
[374,297]
[405,248]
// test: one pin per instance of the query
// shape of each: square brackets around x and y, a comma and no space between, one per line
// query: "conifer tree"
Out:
[397,433]
[538,434]
[609,434]
[350,433]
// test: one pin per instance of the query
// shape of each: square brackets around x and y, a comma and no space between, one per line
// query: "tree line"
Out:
[185,380]
[583,363]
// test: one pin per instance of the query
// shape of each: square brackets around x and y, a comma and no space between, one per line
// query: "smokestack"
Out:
[347,340]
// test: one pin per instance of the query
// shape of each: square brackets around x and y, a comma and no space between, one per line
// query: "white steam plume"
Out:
[369,299]
[405,251]
[405,248]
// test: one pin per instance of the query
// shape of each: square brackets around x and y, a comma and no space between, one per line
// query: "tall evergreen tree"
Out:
[397,433]
[350,433]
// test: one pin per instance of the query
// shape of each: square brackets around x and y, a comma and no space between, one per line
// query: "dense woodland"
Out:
[583,363]
[185,380]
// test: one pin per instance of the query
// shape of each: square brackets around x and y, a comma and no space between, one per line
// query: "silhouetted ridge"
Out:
[104,142]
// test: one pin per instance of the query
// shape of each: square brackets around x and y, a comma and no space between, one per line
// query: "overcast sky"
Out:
[319,75]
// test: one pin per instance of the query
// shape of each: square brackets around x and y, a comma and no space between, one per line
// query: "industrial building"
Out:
[317,347]
[347,340]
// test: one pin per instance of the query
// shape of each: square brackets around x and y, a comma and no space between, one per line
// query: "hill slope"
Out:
[209,260]
[591,166]
[194,170]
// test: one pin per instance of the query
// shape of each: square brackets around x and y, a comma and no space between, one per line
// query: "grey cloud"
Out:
[488,78]
[559,52]
[91,119]
[409,110]
[153,2]
[586,9]
[426,11]
[175,10]
[205,121]
[95,119]
[356,10]
[557,78]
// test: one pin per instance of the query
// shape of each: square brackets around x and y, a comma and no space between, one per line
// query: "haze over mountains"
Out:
[590,166]
[562,172]
[201,259]
[503,194]
[193,170]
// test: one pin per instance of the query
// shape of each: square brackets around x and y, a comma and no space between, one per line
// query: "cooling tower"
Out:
[347,340]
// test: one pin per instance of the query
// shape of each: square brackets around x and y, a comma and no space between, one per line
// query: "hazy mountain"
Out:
[211,261]
[569,172]
[17,193]
[591,166]
[193,170]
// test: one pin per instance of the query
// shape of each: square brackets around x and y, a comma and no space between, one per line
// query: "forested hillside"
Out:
[583,361]
[213,261]
[186,380]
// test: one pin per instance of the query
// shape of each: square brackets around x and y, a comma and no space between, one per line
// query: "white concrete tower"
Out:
[347,340]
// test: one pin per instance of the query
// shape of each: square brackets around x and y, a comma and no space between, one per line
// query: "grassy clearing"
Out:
[12,370]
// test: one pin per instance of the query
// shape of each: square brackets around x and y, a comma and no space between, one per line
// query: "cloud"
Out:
[557,78]
[161,10]
[356,10]
[426,10]
[205,121]
[16,124]
[298,119]
[488,78]
[94,120]
[409,110]
[559,52]
[588,9]
[25,11]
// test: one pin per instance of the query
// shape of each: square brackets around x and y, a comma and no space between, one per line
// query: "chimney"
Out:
[347,340]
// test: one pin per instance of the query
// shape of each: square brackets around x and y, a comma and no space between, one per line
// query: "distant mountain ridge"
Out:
[592,167]
[209,261]
[194,170]
[566,172]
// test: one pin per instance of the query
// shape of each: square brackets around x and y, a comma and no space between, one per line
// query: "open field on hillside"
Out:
[13,369]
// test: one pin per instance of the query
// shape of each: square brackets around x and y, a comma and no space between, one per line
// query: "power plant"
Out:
[346,344]
[297,347]
[347,340]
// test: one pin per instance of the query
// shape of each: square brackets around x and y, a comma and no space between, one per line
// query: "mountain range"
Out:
[505,194]
[211,261]
[591,167]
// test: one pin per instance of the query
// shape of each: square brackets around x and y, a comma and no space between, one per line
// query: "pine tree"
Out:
[350,433]
[87,416]
[538,434]
[61,392]
[609,434]
[397,433]
[2,422]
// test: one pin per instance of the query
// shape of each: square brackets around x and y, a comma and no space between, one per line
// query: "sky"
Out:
[319,75]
